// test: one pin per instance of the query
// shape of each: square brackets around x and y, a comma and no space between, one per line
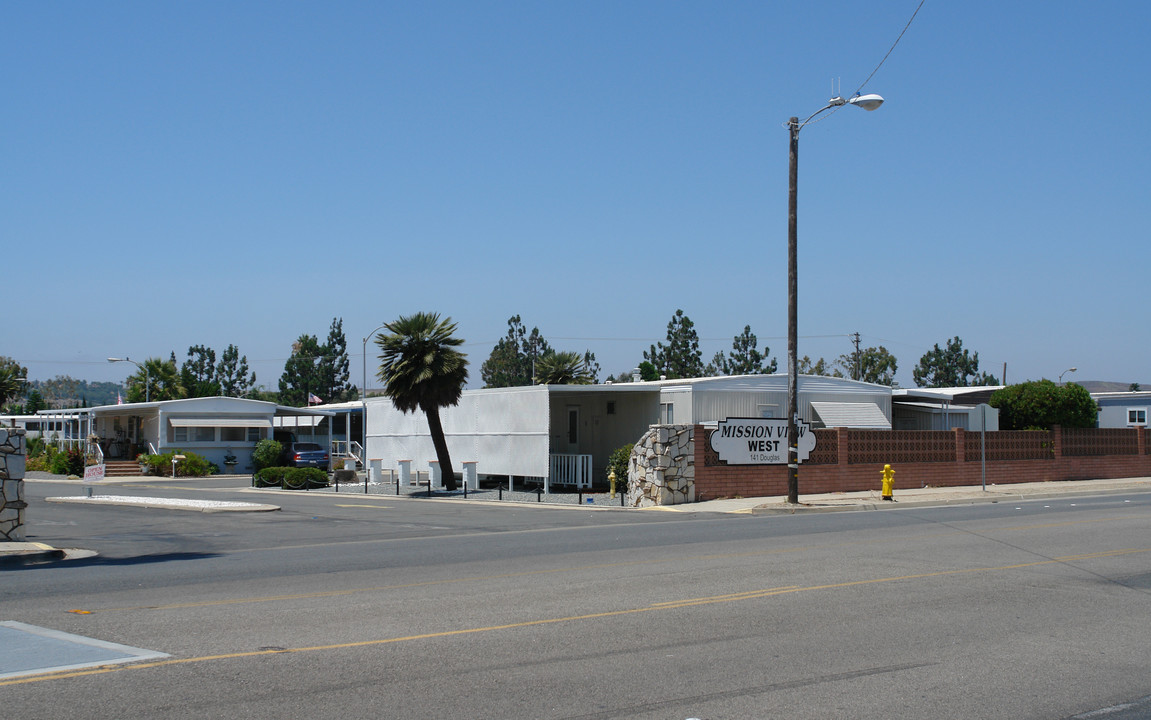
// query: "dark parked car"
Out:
[305,454]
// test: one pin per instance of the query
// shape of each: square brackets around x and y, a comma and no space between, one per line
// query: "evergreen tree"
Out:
[681,357]
[873,365]
[744,359]
[820,367]
[950,367]
[35,403]
[233,375]
[333,370]
[198,373]
[511,360]
[301,375]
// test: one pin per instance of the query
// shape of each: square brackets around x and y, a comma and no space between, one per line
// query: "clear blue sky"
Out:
[242,172]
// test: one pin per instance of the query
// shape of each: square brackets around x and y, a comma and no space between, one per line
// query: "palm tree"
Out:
[163,378]
[563,368]
[421,369]
[11,382]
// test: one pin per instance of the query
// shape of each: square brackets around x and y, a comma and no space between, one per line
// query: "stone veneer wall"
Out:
[661,470]
[12,485]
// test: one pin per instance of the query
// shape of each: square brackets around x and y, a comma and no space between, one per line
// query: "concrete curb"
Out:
[942,501]
[161,505]
[20,554]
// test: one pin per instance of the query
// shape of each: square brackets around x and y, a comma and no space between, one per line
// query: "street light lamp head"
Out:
[115,359]
[868,102]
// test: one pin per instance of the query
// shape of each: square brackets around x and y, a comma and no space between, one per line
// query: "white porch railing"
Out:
[567,469]
[348,449]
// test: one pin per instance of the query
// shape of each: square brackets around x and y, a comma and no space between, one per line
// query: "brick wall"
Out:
[938,459]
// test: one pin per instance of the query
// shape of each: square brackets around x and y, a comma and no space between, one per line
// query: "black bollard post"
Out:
[580,493]
[500,488]
[539,493]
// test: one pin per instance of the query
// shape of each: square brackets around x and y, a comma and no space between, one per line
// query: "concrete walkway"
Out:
[921,497]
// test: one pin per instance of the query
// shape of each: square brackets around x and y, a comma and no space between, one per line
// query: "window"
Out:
[1136,416]
[180,434]
[232,434]
[255,434]
[573,425]
[767,411]
[666,413]
[611,407]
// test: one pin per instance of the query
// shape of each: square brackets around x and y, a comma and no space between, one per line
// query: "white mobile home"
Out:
[945,408]
[213,426]
[1123,409]
[823,401]
[564,434]
[560,433]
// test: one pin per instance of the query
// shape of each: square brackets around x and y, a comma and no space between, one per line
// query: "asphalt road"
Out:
[353,607]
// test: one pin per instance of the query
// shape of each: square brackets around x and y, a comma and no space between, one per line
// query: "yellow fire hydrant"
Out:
[611,479]
[888,482]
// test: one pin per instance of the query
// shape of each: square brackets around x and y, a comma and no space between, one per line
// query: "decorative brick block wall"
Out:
[937,459]
[12,485]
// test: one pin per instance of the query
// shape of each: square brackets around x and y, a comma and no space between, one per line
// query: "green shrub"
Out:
[300,478]
[266,454]
[618,461]
[269,477]
[1042,404]
[67,462]
[38,463]
[193,465]
[35,447]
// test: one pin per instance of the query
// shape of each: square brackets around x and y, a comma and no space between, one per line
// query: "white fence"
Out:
[570,470]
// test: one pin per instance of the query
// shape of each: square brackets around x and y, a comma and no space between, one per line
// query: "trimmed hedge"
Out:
[290,478]
[193,465]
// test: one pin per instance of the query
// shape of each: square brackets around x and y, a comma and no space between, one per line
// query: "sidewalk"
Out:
[921,497]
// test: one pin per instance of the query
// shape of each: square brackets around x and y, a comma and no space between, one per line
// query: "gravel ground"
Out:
[562,497]
[486,494]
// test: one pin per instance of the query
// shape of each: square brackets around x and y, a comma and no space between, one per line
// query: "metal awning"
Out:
[287,421]
[220,422]
[865,416]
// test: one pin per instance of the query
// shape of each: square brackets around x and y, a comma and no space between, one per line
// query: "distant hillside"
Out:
[1105,386]
[67,392]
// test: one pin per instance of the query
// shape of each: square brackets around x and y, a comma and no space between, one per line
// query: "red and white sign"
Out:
[94,472]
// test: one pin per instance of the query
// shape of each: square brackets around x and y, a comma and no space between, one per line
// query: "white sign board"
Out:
[94,472]
[758,441]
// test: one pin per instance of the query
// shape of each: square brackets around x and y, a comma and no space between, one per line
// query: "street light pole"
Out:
[364,391]
[867,102]
[1070,369]
[147,375]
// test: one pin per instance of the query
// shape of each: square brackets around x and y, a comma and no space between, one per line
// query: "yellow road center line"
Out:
[675,605]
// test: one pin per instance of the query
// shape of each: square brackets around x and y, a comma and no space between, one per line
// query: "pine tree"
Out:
[681,357]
